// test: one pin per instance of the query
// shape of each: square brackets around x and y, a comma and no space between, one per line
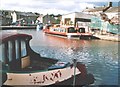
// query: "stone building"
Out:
[97,10]
[52,19]
[24,17]
[5,17]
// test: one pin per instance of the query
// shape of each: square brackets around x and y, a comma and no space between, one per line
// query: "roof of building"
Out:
[80,15]
[113,9]
[6,10]
[95,9]
[31,14]
[106,9]
[25,13]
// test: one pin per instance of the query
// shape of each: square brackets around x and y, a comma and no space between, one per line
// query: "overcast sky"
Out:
[52,6]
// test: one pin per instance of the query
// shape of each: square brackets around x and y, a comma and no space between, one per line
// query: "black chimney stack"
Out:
[110,4]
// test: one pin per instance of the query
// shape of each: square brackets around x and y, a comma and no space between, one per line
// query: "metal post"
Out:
[75,63]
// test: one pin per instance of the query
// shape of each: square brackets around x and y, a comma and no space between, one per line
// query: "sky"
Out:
[52,6]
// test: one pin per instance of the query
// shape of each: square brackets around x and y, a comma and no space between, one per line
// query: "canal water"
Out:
[99,56]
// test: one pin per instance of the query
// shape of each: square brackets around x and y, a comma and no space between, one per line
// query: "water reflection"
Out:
[100,57]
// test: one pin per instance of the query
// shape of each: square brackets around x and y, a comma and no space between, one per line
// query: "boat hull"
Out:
[51,77]
[70,35]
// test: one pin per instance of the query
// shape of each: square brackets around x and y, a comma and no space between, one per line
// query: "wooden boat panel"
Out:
[25,62]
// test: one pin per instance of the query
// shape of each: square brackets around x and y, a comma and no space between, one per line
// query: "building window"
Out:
[23,48]
[67,21]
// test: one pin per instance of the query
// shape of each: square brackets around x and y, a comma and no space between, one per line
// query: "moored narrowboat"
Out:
[68,32]
[22,66]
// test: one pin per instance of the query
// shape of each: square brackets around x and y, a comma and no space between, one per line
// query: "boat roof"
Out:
[62,26]
[5,36]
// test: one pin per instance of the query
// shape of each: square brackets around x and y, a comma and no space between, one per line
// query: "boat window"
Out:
[9,50]
[81,30]
[62,30]
[23,48]
[58,29]
[17,49]
[71,30]
[2,56]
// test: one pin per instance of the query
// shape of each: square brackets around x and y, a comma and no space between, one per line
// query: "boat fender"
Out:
[90,79]
[82,69]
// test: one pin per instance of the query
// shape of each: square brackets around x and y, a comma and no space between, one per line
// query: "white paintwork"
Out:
[14,17]
[74,15]
[70,34]
[28,78]
[113,14]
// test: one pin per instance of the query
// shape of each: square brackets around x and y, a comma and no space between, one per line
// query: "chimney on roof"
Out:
[109,4]
[86,7]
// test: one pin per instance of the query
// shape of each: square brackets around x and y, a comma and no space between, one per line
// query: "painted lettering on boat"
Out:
[45,77]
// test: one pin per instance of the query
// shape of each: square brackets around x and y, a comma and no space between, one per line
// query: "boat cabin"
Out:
[57,28]
[67,29]
[69,32]
[16,54]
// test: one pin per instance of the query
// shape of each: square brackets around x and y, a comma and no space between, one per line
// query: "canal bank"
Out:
[109,37]
[16,27]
